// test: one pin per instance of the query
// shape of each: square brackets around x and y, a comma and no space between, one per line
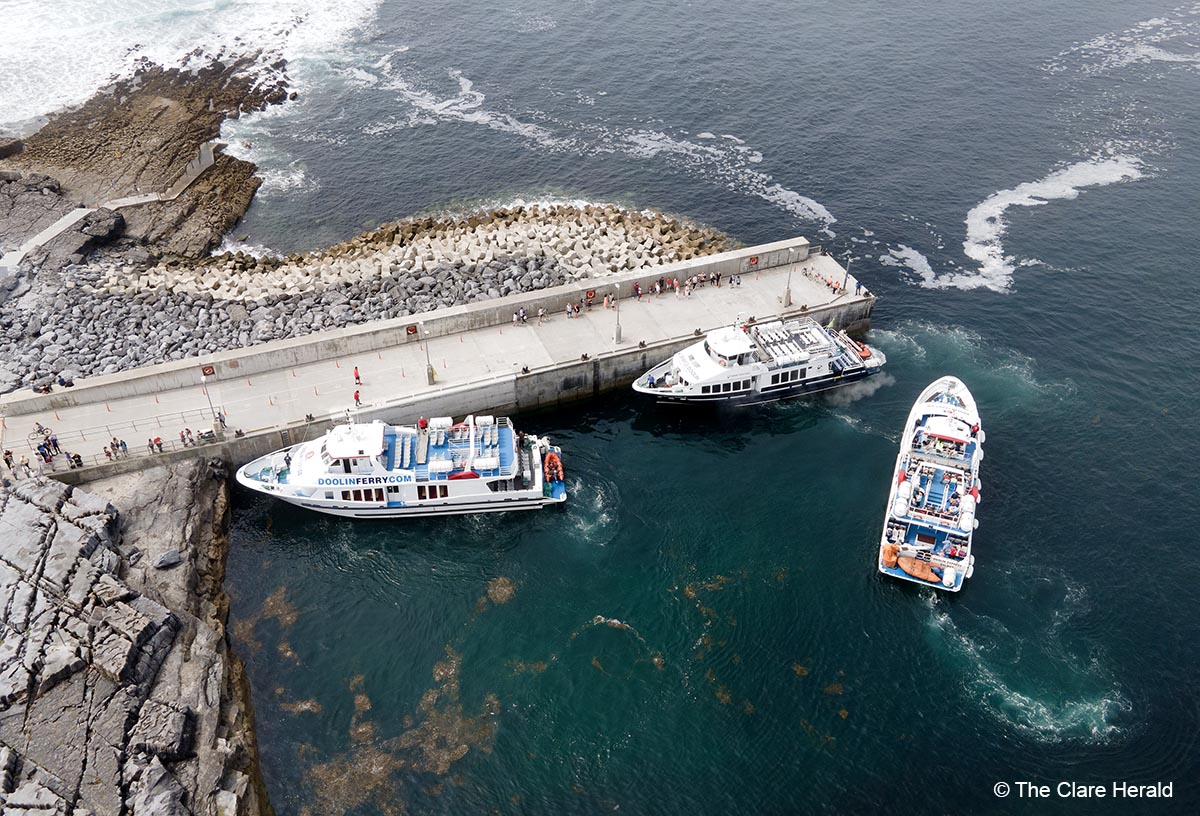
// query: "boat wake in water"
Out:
[1034,684]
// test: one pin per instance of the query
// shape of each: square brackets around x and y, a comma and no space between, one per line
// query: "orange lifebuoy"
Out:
[864,351]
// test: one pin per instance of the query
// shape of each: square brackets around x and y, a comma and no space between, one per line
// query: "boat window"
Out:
[421,492]
[393,489]
[774,379]
[800,373]
[725,387]
[358,495]
[379,494]
[346,465]
[443,491]
[329,494]
[345,495]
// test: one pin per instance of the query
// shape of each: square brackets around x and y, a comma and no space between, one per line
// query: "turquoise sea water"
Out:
[701,629]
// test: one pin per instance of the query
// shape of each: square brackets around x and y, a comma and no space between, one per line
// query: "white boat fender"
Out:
[949,576]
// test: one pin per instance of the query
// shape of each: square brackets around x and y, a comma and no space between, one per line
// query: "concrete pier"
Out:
[480,361]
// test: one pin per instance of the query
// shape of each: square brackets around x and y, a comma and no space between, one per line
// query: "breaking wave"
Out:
[101,46]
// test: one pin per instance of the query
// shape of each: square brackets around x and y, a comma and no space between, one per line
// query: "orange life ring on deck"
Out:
[864,351]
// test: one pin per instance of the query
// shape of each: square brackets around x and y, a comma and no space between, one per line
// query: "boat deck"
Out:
[438,454]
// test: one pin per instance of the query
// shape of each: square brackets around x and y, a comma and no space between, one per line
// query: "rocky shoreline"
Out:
[118,692]
[110,315]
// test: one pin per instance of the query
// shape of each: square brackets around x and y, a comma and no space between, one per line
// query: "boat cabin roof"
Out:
[730,341]
[354,441]
[948,428]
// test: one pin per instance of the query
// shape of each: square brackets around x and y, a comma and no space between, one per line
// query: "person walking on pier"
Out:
[357,401]
[8,460]
[357,378]
[54,444]
[221,418]
[158,443]
[124,449]
[150,445]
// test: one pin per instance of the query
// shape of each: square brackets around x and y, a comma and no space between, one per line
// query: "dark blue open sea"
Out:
[701,630]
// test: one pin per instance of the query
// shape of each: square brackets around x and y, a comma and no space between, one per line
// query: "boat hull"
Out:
[796,391]
[502,506]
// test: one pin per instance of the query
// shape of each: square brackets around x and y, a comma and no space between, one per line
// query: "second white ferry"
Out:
[754,363]
[930,519]
[439,467]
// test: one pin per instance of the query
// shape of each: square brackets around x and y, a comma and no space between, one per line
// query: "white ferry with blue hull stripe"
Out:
[439,467]
[755,363]
[930,522]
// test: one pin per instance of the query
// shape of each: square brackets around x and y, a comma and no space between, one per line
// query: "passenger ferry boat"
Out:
[761,362]
[935,490]
[439,467]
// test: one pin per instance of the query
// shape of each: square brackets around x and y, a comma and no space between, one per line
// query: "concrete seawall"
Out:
[239,363]
[555,375]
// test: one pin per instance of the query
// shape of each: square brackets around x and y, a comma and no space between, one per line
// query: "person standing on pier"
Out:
[124,448]
[357,379]
[357,401]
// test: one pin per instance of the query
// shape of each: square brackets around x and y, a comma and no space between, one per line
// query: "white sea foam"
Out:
[232,245]
[1042,710]
[1166,40]
[905,256]
[986,224]
[42,39]
[467,105]
[728,162]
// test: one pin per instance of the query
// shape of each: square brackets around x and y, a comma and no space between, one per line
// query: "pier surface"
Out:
[481,361]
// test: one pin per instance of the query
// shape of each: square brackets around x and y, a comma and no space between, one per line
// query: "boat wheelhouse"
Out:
[753,363]
[930,521]
[439,467]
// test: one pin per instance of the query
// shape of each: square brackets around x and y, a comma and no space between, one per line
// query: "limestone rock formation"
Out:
[133,138]
[117,693]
